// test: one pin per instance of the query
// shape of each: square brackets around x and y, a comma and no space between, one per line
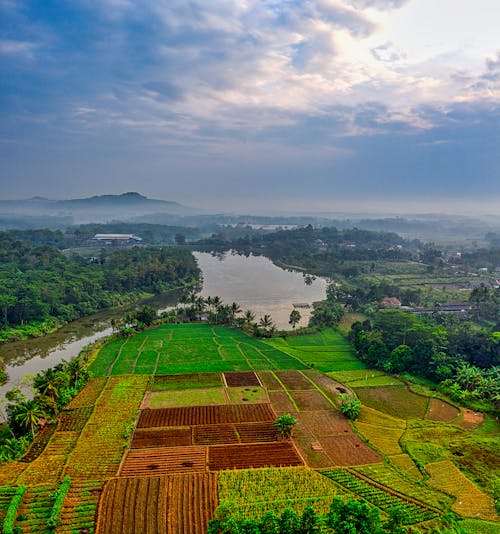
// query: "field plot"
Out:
[189,348]
[133,505]
[205,415]
[470,501]
[39,443]
[99,449]
[89,394]
[186,397]
[6,494]
[348,450]
[326,351]
[390,477]
[214,434]
[163,461]
[293,380]
[406,464]
[325,423]
[397,401]
[257,491]
[74,419]
[310,401]
[382,430]
[192,381]
[191,502]
[269,380]
[79,509]
[161,437]
[252,394]
[385,500]
[282,402]
[248,378]
[254,455]
[439,410]
[35,509]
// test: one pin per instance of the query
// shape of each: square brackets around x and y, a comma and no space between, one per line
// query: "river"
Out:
[254,282]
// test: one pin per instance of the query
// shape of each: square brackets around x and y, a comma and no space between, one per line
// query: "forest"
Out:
[40,285]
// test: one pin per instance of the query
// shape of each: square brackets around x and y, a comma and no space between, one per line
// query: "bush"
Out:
[58,503]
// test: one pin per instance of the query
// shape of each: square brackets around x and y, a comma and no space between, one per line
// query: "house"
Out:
[115,239]
[390,302]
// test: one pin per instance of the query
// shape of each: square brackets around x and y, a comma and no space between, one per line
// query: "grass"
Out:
[247,394]
[397,401]
[187,397]
[189,348]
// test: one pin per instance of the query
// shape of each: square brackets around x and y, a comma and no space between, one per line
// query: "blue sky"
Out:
[254,104]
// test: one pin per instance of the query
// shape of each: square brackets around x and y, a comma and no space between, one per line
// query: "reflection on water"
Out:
[254,282]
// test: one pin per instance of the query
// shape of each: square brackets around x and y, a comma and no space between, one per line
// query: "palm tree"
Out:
[266,322]
[50,383]
[249,316]
[295,317]
[235,309]
[285,424]
[28,414]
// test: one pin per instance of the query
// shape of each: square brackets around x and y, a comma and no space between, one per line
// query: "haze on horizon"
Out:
[327,105]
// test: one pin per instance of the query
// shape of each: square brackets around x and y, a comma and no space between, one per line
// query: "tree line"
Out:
[40,283]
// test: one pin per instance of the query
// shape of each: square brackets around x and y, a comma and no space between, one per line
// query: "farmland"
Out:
[165,445]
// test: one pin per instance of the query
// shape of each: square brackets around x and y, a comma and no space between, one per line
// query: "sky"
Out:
[254,105]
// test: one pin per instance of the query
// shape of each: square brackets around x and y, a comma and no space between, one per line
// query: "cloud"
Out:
[10,47]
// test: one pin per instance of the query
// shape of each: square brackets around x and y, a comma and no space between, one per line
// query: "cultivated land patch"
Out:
[186,397]
[439,410]
[248,378]
[183,349]
[161,437]
[470,501]
[397,401]
[192,381]
[258,491]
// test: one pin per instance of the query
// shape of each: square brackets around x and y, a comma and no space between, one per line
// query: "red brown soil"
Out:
[177,504]
[162,461]
[243,378]
[257,432]
[310,400]
[205,415]
[257,455]
[161,437]
[214,434]
[313,453]
[329,386]
[325,423]
[132,505]
[192,500]
[293,380]
[280,401]
[439,410]
[348,450]
[270,383]
[470,419]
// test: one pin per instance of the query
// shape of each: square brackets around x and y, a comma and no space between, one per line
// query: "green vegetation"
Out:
[190,381]
[40,287]
[185,348]
[10,516]
[350,407]
[188,397]
[285,424]
[58,502]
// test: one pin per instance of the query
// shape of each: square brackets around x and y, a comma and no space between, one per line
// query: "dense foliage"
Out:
[463,355]
[351,516]
[40,283]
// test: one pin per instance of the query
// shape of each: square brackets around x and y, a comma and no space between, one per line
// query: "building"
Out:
[111,240]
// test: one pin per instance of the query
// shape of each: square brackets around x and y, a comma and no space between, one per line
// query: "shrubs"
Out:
[10,516]
[58,503]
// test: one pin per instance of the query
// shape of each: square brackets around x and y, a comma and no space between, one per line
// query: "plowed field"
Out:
[325,423]
[133,505]
[348,450]
[163,461]
[293,380]
[257,455]
[161,437]
[246,378]
[205,415]
[310,400]
[214,434]
[439,410]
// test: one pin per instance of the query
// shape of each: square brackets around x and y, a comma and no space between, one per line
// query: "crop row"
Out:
[39,443]
[74,419]
[376,496]
[203,415]
[79,509]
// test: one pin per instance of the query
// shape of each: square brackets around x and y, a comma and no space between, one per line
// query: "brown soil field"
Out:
[269,381]
[75,419]
[310,400]
[133,505]
[255,455]
[192,500]
[348,450]
[330,387]
[280,401]
[205,415]
[214,434]
[397,401]
[162,461]
[256,432]
[293,380]
[313,453]
[243,378]
[161,437]
[470,420]
[325,423]
[439,410]
[39,443]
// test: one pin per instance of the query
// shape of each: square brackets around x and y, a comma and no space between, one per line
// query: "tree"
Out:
[295,317]
[353,517]
[180,239]
[28,415]
[285,424]
[266,322]
[146,315]
[249,316]
[350,407]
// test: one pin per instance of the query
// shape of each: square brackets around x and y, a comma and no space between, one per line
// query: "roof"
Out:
[117,236]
